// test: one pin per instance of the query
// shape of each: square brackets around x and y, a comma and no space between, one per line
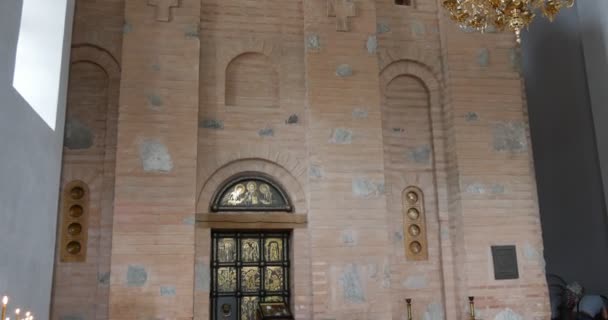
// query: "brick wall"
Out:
[345,121]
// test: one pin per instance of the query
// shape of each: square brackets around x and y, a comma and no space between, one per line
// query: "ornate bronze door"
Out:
[247,267]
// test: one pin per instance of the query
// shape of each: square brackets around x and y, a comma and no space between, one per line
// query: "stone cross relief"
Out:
[163,8]
[342,10]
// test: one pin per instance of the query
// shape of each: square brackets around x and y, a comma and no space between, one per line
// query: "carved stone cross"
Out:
[163,8]
[342,10]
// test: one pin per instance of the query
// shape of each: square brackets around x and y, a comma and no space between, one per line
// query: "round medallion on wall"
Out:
[414,230]
[73,247]
[77,193]
[415,247]
[413,213]
[412,197]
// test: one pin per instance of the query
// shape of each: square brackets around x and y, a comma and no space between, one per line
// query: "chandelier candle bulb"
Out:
[4,303]
[17,311]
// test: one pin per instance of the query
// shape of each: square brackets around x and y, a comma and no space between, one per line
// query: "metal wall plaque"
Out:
[505,262]
[251,192]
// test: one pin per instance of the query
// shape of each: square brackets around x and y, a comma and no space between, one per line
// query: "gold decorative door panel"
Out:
[248,267]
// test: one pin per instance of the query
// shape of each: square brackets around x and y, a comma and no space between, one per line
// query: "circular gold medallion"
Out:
[414,230]
[412,197]
[73,247]
[413,213]
[415,247]
[74,229]
[77,193]
[76,211]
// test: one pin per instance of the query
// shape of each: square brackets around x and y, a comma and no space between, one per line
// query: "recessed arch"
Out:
[417,68]
[252,80]
[284,178]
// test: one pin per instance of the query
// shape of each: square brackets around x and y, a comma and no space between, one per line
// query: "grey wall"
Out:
[30,159]
[593,18]
[571,195]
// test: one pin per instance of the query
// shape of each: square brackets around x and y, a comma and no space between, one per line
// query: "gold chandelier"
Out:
[513,15]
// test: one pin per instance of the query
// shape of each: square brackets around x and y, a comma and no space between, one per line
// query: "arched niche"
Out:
[251,191]
[219,183]
[252,81]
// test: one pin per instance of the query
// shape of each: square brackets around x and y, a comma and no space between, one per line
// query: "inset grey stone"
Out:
[508,314]
[189,221]
[530,253]
[364,188]
[103,278]
[154,100]
[192,31]
[516,61]
[136,276]
[475,188]
[293,119]
[313,42]
[434,311]
[349,237]
[386,278]
[398,236]
[360,113]
[398,130]
[266,132]
[155,156]
[445,233]
[341,136]
[212,124]
[483,57]
[202,276]
[420,154]
[71,317]
[497,189]
[167,291]
[418,28]
[371,44]
[156,67]
[344,70]
[77,135]
[471,116]
[533,254]
[315,171]
[510,137]
[351,285]
[382,27]
[415,282]
[126,28]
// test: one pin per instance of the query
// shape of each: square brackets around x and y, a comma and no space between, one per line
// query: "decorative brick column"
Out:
[347,214]
[152,273]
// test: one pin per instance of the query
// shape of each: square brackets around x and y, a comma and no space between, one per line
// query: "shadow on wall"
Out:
[573,214]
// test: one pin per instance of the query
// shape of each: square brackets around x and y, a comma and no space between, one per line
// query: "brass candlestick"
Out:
[409,308]
[472,307]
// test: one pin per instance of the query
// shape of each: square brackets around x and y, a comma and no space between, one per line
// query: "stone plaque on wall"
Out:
[505,262]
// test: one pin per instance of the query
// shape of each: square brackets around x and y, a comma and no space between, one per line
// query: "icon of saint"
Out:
[251,196]
[266,197]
